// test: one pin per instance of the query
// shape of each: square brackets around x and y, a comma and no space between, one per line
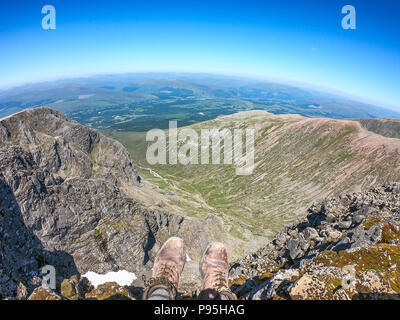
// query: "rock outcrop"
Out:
[109,291]
[346,248]
[41,294]
[62,204]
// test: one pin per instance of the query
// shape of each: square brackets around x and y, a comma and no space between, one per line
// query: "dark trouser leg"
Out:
[159,294]
[214,295]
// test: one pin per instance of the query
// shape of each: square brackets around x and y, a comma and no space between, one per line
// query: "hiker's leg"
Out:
[167,270]
[215,295]
[214,270]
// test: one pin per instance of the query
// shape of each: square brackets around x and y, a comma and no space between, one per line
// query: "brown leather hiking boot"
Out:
[214,269]
[167,268]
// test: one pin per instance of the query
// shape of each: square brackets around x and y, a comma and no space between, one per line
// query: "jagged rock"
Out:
[110,291]
[247,286]
[370,282]
[68,289]
[294,248]
[44,294]
[84,286]
[63,203]
[311,233]
[371,244]
[308,288]
[340,294]
[269,289]
[22,292]
[330,234]
[280,239]
[364,239]
[345,224]
[357,219]
[329,218]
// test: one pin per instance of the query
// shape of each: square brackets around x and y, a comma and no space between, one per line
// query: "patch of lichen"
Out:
[238,281]
[371,221]
[279,298]
[41,294]
[117,224]
[266,275]
[297,277]
[68,290]
[383,258]
[109,291]
[390,233]
[97,234]
[332,284]
[108,226]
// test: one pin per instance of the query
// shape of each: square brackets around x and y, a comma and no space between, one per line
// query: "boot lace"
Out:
[166,272]
[220,281]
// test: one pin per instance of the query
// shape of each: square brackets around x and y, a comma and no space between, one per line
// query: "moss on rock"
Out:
[109,291]
[44,294]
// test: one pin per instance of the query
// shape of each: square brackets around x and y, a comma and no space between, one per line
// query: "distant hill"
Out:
[385,127]
[298,160]
[144,100]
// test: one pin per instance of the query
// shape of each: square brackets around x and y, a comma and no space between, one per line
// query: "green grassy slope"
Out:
[298,161]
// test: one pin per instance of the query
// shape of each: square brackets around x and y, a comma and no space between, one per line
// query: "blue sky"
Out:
[287,40]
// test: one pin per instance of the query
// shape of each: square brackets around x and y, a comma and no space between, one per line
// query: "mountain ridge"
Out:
[70,197]
[140,94]
[62,204]
[387,127]
[297,161]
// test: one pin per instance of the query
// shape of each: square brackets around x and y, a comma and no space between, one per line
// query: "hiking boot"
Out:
[214,269]
[167,268]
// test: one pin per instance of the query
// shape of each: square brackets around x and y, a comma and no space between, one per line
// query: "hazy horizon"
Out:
[260,40]
[291,83]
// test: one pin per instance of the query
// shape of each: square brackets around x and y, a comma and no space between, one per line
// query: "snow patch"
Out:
[85,96]
[122,277]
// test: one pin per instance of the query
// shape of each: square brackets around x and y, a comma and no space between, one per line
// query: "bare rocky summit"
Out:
[62,204]
[346,248]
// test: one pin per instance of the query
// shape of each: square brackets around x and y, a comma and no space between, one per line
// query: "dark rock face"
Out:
[360,231]
[46,139]
[61,204]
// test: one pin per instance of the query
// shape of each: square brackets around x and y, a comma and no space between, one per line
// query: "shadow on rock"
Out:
[22,254]
[376,296]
